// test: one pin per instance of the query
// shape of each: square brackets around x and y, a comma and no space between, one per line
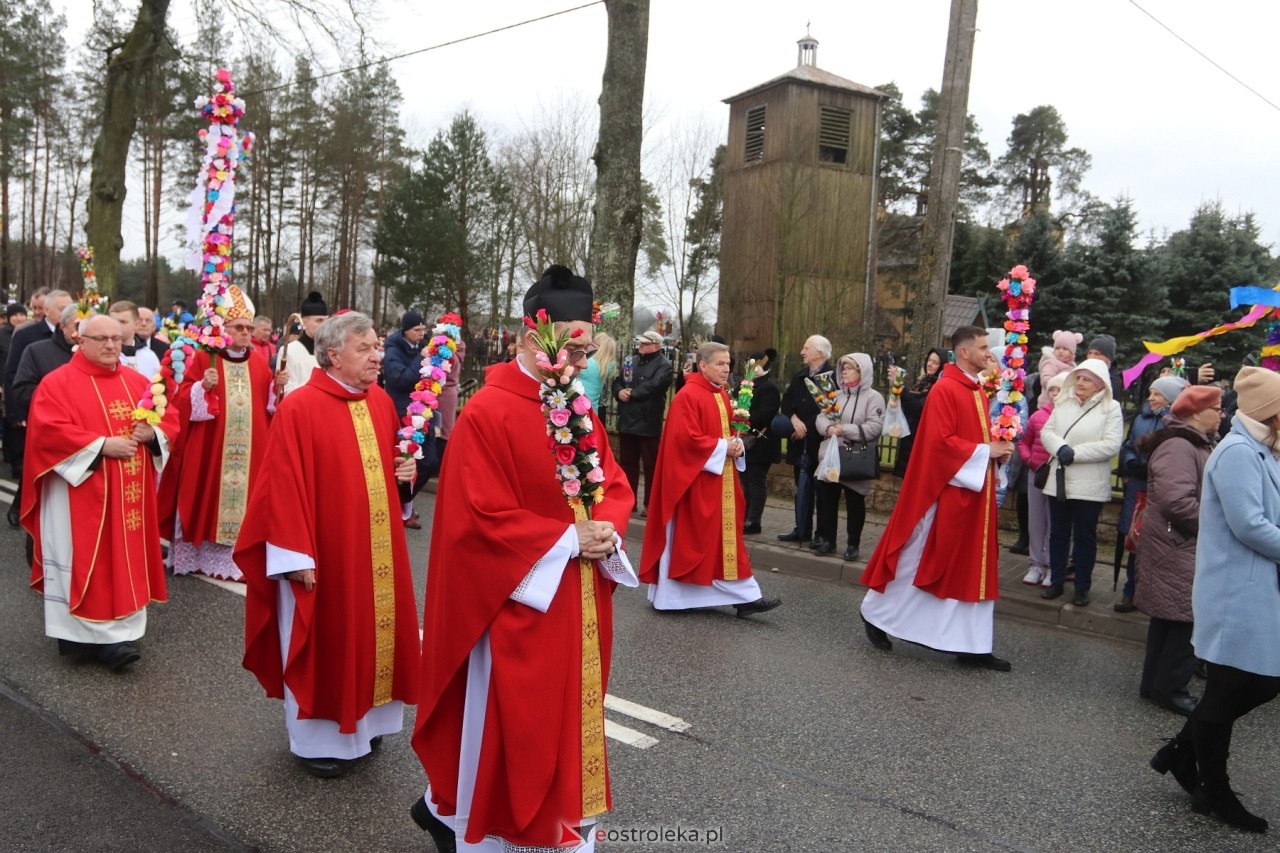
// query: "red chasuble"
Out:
[707,508]
[327,489]
[499,509]
[116,565]
[215,460]
[959,559]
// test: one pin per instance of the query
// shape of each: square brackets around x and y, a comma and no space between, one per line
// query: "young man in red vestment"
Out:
[694,555]
[519,614]
[225,402]
[933,575]
[89,500]
[331,625]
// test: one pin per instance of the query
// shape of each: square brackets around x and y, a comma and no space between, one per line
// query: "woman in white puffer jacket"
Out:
[1083,436]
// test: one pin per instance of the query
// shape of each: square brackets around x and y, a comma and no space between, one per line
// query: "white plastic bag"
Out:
[829,460]
[895,422]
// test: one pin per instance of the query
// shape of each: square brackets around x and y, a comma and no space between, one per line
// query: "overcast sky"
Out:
[1164,126]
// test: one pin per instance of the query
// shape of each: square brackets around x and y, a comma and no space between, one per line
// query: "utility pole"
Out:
[944,184]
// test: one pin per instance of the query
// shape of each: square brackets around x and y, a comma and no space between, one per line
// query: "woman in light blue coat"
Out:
[1235,598]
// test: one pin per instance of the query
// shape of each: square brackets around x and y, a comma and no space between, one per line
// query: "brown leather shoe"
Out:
[1124,605]
[413,522]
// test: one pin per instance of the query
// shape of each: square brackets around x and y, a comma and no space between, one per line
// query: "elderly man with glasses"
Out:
[225,403]
[89,500]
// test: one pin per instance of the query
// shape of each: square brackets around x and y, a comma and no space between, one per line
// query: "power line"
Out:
[1205,56]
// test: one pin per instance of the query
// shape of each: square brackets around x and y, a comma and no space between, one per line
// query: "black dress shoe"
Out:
[1052,592]
[12,516]
[824,549]
[1183,705]
[1081,598]
[1020,547]
[877,636]
[444,837]
[760,605]
[851,553]
[78,652]
[749,529]
[987,661]
[817,543]
[1225,804]
[793,536]
[117,656]
[324,768]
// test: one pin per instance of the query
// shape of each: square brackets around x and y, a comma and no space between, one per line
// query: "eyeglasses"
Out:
[576,354]
[1217,409]
[104,339]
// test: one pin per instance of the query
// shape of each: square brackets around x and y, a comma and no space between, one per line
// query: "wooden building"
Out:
[796,255]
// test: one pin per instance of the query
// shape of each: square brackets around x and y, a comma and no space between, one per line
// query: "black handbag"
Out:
[1042,475]
[859,460]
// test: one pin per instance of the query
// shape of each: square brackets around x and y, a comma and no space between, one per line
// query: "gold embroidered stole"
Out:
[728,501]
[988,485]
[130,483]
[384,593]
[237,448]
[593,779]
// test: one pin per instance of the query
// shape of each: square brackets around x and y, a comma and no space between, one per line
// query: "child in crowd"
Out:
[1060,359]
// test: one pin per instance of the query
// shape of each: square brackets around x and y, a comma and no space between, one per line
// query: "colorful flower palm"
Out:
[741,420]
[90,301]
[571,433]
[210,223]
[424,399]
[823,389]
[1009,410]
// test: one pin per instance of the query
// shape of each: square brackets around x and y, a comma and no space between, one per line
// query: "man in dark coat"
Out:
[641,391]
[15,429]
[762,451]
[802,449]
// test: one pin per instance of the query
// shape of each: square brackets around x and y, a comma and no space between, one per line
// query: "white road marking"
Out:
[630,737]
[648,715]
[618,732]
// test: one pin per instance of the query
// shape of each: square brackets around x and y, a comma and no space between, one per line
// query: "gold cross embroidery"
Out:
[132,493]
[133,466]
[125,431]
[120,410]
[133,520]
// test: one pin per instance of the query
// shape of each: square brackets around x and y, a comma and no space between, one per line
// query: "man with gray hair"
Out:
[696,492]
[41,329]
[802,448]
[331,622]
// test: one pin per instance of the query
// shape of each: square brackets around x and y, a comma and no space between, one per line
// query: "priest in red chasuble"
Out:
[519,611]
[225,402]
[331,624]
[694,555]
[89,500]
[933,575]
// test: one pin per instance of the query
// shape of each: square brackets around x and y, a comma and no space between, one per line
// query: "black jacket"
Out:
[765,400]
[25,336]
[651,376]
[39,360]
[797,400]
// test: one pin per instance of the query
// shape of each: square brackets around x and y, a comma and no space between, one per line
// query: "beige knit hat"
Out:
[1258,393]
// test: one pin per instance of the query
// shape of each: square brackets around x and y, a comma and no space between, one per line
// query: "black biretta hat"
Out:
[564,296]
[313,305]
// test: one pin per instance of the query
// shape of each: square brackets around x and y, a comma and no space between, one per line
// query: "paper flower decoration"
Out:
[424,399]
[210,223]
[1009,406]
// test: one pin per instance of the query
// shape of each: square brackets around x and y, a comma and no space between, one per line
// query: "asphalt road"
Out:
[792,734]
